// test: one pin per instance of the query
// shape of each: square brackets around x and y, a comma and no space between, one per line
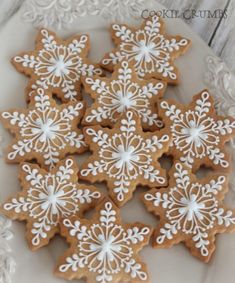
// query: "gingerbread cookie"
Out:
[125,157]
[148,49]
[57,65]
[44,131]
[120,93]
[103,249]
[190,211]
[198,133]
[47,197]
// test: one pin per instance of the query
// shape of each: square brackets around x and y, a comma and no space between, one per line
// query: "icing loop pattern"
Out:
[191,208]
[125,155]
[48,197]
[45,131]
[123,92]
[198,134]
[104,247]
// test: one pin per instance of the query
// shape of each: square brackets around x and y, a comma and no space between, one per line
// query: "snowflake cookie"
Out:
[57,65]
[191,211]
[122,92]
[47,197]
[125,157]
[103,249]
[148,48]
[44,131]
[198,133]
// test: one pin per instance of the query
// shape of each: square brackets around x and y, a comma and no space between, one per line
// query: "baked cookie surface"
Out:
[57,65]
[191,210]
[44,131]
[125,157]
[122,92]
[48,197]
[198,133]
[148,49]
[103,249]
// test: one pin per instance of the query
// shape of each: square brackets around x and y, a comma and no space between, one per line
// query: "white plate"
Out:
[164,265]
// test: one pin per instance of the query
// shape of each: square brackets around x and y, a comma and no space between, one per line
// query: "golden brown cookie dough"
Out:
[122,92]
[191,210]
[148,49]
[198,133]
[57,65]
[125,157]
[44,131]
[48,197]
[103,249]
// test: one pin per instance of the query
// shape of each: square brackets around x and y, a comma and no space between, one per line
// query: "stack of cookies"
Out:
[127,128]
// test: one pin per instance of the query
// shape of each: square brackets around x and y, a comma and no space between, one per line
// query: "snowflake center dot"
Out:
[59,67]
[192,205]
[125,155]
[52,198]
[195,132]
[126,102]
[147,48]
[47,129]
[106,246]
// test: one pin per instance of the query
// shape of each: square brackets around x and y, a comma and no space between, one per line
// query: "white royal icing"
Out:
[122,94]
[45,130]
[58,66]
[191,208]
[147,48]
[105,247]
[125,156]
[196,134]
[49,198]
